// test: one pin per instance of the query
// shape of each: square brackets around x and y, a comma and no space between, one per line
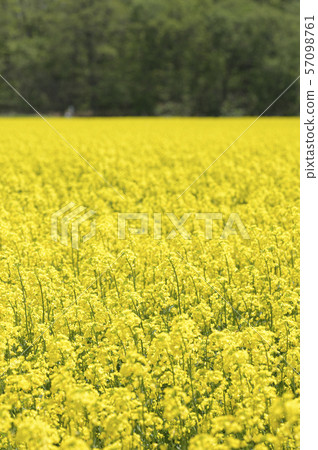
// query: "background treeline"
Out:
[150,57]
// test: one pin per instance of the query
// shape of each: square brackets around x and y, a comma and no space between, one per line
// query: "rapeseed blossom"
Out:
[141,342]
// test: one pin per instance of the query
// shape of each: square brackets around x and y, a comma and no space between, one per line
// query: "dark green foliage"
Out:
[150,57]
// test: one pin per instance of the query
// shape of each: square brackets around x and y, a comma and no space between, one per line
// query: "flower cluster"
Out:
[143,343]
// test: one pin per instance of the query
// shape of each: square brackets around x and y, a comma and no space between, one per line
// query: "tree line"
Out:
[150,57]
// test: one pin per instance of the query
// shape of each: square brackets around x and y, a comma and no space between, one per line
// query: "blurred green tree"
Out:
[150,57]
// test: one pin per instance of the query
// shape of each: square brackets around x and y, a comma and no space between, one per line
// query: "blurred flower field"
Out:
[144,343]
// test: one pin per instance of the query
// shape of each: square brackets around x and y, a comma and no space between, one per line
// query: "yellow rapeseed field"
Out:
[170,338]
